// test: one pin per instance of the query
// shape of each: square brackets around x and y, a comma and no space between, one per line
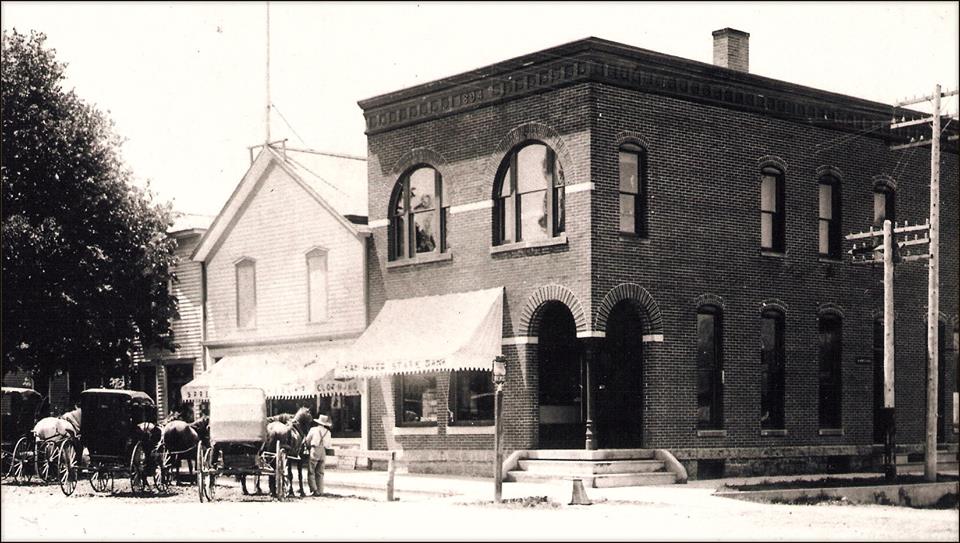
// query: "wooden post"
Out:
[391,470]
[933,295]
[889,419]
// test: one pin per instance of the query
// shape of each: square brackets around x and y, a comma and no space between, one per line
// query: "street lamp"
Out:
[499,377]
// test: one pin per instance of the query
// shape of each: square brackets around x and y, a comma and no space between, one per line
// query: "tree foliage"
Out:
[86,262]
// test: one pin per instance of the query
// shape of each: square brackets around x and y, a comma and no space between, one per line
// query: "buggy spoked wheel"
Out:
[206,476]
[47,461]
[161,474]
[280,466]
[138,460]
[101,480]
[67,467]
[21,461]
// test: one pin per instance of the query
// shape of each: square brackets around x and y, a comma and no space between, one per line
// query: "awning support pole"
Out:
[589,353]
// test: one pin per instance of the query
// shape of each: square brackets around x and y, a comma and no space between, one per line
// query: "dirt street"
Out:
[660,513]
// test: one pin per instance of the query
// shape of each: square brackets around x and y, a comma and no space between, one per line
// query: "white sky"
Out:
[185,84]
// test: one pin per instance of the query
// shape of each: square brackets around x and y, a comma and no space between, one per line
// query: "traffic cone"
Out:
[579,494]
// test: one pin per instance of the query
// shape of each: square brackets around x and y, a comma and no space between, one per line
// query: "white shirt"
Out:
[318,439]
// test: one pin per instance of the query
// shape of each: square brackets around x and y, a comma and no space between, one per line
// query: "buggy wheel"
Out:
[47,461]
[161,474]
[21,461]
[138,459]
[101,480]
[67,467]
[280,478]
[206,476]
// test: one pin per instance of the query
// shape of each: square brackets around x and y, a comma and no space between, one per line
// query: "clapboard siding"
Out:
[188,329]
[276,228]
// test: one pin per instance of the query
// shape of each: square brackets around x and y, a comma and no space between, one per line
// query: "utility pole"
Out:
[933,275]
[267,116]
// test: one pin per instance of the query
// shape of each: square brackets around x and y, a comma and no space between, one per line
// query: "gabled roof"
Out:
[337,182]
[184,223]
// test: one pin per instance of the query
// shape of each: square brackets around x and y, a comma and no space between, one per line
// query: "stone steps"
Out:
[581,454]
[604,468]
[590,467]
[610,480]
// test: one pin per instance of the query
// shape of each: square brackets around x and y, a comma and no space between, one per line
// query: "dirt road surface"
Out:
[656,513]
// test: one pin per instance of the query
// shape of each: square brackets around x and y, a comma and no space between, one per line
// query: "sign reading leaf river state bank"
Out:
[390,367]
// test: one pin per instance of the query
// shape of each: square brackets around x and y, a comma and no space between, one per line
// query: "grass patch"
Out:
[528,502]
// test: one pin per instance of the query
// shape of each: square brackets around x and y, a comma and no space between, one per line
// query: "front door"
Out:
[558,355]
[619,381]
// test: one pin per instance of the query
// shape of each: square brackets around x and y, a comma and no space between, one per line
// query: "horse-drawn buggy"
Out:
[19,451]
[121,438]
[244,442]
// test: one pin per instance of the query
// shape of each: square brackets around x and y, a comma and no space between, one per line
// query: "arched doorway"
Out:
[619,380]
[560,398]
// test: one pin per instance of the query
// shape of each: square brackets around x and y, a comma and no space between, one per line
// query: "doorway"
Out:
[558,354]
[619,383]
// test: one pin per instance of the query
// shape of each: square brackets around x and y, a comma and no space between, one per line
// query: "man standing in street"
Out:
[319,439]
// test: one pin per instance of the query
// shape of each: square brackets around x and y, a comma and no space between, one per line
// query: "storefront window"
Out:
[471,397]
[345,413]
[418,400]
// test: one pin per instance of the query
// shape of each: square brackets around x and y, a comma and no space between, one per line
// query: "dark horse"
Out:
[289,431]
[180,439]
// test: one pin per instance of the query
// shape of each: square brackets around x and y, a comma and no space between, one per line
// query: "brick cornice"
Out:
[602,61]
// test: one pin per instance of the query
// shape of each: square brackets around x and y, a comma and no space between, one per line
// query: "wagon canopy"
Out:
[19,406]
[281,373]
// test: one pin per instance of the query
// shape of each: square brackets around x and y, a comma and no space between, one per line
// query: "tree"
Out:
[86,262]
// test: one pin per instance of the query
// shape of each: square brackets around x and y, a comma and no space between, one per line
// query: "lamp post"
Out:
[499,377]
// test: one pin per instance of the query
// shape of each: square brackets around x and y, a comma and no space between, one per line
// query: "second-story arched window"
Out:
[830,234]
[633,190]
[529,195]
[772,224]
[418,214]
[884,204]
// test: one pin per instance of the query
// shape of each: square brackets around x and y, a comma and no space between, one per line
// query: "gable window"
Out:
[884,205]
[772,362]
[772,223]
[317,285]
[709,369]
[830,367]
[418,214]
[633,190]
[471,397]
[418,399]
[829,227]
[529,202]
[246,277]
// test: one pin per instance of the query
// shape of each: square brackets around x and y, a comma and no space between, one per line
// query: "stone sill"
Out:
[772,254]
[711,433]
[477,430]
[635,238]
[830,431]
[426,258]
[549,242]
[416,430]
[829,260]
[773,433]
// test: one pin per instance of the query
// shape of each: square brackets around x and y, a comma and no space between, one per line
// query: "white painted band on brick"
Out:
[466,430]
[379,223]
[463,208]
[591,333]
[519,340]
[579,187]
[415,430]
[653,338]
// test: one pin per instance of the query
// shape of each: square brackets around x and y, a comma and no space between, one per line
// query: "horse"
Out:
[50,431]
[181,438]
[289,432]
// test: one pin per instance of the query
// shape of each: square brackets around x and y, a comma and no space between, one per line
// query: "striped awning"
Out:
[460,331]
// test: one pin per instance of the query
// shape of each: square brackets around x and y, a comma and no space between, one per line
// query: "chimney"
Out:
[731,49]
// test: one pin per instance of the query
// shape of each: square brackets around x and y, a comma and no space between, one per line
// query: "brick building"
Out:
[664,237]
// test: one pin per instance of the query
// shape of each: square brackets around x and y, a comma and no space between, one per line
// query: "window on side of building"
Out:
[471,398]
[418,399]
[772,216]
[772,362]
[529,197]
[418,214]
[884,205]
[633,190]
[830,217]
[709,368]
[246,282]
[830,390]
[317,285]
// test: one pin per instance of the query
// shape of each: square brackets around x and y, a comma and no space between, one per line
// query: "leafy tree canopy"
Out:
[86,262]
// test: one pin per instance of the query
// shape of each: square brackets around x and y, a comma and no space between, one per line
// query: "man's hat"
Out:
[324,420]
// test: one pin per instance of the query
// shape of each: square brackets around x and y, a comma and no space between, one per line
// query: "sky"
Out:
[185,83]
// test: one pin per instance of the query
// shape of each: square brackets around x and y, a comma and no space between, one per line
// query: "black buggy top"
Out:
[111,418]
[19,406]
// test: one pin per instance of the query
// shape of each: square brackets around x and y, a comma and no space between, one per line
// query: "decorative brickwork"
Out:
[772,161]
[530,316]
[884,181]
[830,308]
[644,302]
[535,131]
[773,303]
[709,299]
[826,170]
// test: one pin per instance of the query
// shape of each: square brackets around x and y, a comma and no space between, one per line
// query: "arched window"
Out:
[246,283]
[709,368]
[633,190]
[772,216]
[418,214]
[772,362]
[884,204]
[529,197]
[317,285]
[830,235]
[830,327]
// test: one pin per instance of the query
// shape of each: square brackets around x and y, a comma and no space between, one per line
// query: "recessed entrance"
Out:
[558,356]
[619,380]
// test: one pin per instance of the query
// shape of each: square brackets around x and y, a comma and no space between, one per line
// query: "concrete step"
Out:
[582,454]
[590,467]
[598,481]
[946,456]
[919,467]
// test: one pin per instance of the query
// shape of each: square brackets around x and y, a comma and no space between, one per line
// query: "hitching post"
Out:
[499,376]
